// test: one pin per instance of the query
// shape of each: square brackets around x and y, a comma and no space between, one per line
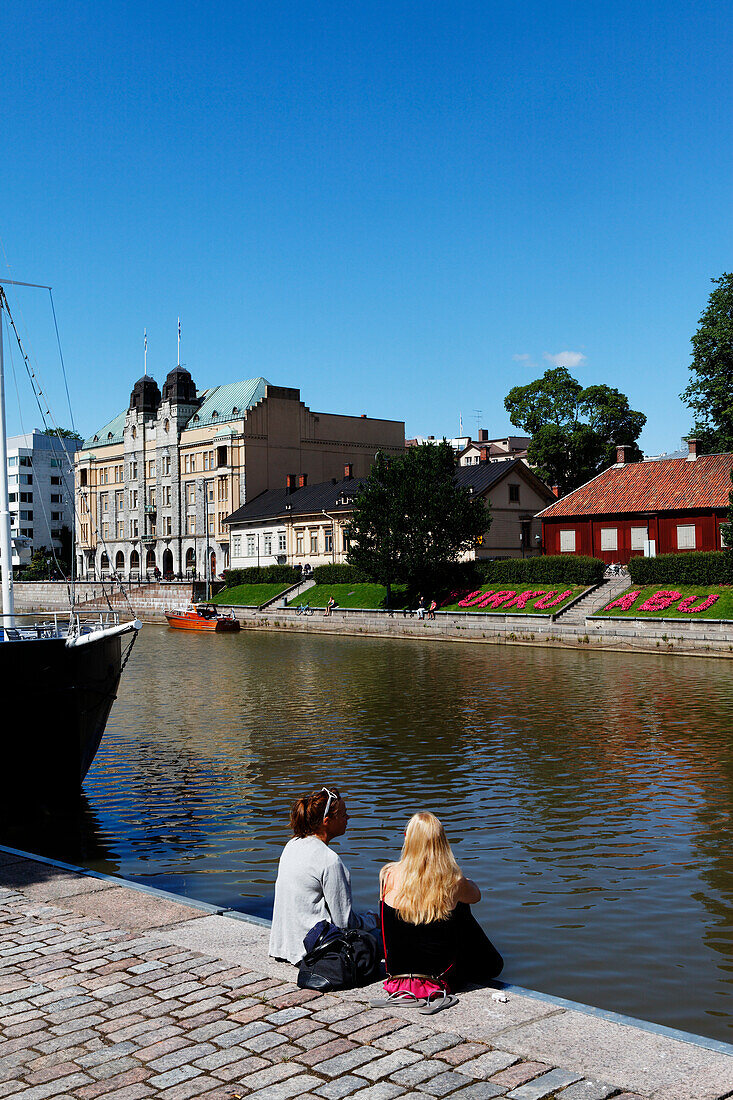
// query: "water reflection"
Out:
[589,794]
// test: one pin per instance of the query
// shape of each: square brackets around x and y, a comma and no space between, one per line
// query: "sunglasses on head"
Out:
[333,796]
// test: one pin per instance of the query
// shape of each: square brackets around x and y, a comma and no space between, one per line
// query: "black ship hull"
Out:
[56,701]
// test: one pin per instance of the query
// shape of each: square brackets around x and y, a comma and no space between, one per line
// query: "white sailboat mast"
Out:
[6,549]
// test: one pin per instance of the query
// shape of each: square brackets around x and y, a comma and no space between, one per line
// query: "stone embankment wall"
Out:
[699,639]
[148,601]
[703,638]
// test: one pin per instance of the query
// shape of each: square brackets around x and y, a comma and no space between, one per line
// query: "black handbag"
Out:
[338,959]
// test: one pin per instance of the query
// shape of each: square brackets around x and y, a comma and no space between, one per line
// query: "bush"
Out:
[548,569]
[265,574]
[694,567]
[339,574]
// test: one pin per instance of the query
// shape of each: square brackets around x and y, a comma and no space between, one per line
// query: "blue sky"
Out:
[404,209]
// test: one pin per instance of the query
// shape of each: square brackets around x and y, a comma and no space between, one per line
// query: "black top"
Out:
[421,948]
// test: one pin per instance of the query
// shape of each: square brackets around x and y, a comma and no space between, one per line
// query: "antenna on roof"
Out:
[179,341]
[477,416]
[145,341]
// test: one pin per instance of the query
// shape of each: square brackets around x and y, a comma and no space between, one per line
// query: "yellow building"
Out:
[155,485]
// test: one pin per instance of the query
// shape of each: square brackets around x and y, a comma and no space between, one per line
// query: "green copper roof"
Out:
[110,433]
[219,404]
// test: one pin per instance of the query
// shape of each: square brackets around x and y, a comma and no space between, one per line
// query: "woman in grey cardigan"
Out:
[312,883]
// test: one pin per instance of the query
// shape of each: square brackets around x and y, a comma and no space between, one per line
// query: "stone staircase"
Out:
[145,599]
[593,601]
[288,593]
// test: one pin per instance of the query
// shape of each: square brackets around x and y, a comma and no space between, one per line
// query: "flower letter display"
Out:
[658,601]
[686,604]
[625,602]
[551,598]
[523,599]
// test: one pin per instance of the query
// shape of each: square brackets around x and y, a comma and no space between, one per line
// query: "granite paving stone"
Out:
[587,1090]
[518,1074]
[442,1083]
[437,1042]
[283,1090]
[479,1090]
[344,1063]
[341,1086]
[389,1064]
[488,1064]
[181,1006]
[384,1090]
[546,1085]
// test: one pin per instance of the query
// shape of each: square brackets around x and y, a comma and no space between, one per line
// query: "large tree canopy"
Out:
[710,392]
[574,430]
[411,521]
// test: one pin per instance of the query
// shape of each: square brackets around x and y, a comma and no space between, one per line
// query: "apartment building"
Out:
[156,484]
[40,492]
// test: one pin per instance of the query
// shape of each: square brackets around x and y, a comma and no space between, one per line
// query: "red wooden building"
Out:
[674,504]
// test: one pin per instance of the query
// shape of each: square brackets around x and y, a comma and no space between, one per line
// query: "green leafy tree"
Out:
[65,433]
[411,521]
[574,430]
[710,392]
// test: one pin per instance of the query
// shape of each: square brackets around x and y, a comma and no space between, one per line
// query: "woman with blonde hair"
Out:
[428,928]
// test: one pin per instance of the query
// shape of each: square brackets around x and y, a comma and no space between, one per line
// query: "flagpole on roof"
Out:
[146,350]
[179,341]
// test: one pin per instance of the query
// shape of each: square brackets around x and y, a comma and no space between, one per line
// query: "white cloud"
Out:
[565,358]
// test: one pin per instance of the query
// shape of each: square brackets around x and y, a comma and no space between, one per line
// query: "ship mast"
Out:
[6,546]
[6,550]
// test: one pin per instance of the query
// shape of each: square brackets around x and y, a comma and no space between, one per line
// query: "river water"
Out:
[590,795]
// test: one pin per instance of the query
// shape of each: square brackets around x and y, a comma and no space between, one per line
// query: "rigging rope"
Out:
[38,393]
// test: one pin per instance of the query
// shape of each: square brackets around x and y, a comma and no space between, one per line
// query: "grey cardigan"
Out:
[312,885]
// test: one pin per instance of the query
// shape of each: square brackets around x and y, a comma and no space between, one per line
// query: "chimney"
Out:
[484,454]
[483,435]
[692,449]
[348,471]
[623,454]
[556,490]
[302,481]
[290,483]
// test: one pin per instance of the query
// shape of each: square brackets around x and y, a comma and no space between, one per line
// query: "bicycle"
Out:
[304,609]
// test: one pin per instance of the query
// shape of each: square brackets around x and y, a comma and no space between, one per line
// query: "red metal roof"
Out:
[671,484]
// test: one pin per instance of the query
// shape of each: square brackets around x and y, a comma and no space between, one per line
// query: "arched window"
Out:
[166,425]
[215,415]
[134,560]
[167,564]
[104,562]
[119,560]
[190,558]
[133,432]
[109,435]
[150,559]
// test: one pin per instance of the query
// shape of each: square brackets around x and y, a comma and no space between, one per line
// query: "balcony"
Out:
[150,509]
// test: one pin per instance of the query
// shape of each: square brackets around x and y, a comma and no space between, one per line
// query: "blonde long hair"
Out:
[427,870]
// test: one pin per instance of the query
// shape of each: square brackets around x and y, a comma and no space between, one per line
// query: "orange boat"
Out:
[202,617]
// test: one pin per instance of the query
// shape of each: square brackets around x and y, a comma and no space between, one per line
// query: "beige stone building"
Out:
[155,485]
[305,525]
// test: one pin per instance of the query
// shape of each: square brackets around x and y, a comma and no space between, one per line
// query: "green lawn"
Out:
[249,595]
[351,595]
[722,608]
[573,590]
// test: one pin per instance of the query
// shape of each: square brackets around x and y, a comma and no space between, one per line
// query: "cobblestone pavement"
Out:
[88,1010]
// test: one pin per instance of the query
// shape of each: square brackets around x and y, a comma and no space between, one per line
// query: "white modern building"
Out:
[40,492]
